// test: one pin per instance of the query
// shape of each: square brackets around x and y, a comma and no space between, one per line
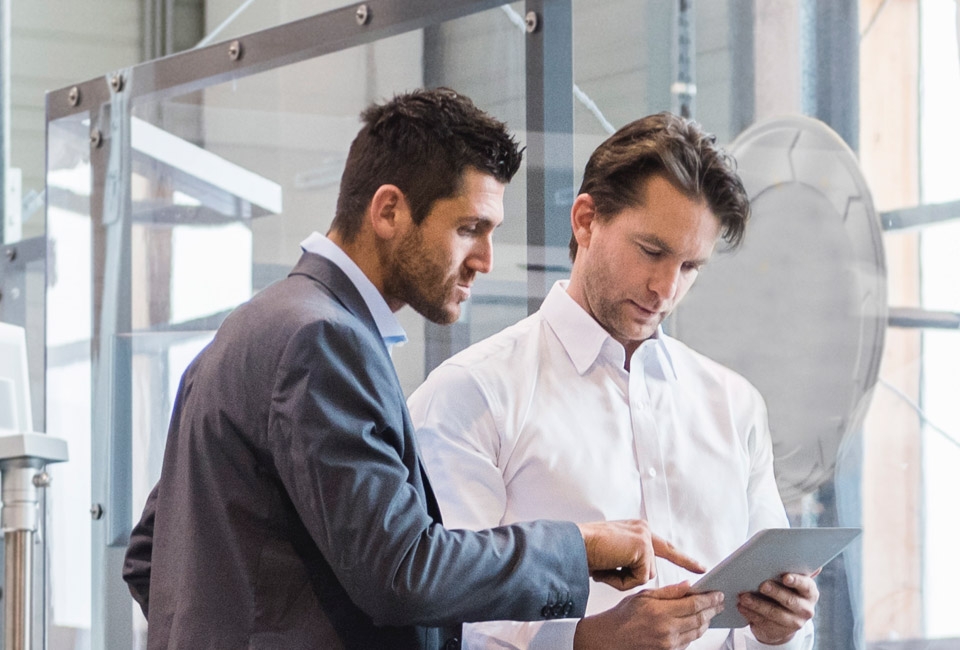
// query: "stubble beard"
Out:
[615,315]
[422,281]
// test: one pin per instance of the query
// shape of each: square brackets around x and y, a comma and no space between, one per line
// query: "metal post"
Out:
[18,588]
[684,88]
[19,525]
[22,459]
[550,190]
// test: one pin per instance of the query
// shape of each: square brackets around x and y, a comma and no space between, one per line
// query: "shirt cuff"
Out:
[539,635]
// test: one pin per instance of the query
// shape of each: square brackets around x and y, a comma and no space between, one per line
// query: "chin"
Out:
[445,315]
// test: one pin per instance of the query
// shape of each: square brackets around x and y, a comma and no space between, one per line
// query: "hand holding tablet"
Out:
[766,556]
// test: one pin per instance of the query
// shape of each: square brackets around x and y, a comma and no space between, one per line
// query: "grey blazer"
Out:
[292,510]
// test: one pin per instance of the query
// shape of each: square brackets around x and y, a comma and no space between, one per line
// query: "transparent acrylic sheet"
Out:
[199,243]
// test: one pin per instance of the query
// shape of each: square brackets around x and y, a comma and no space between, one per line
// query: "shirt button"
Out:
[652,472]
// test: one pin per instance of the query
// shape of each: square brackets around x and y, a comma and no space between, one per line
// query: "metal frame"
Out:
[261,51]
[549,93]
[920,215]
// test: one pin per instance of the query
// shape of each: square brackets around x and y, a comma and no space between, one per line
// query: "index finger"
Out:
[666,550]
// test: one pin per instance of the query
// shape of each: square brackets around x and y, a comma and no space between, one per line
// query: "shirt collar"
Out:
[389,327]
[584,339]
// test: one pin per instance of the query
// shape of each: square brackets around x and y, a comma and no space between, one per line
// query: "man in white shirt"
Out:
[587,410]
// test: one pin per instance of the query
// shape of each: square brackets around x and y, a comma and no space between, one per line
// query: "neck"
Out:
[363,250]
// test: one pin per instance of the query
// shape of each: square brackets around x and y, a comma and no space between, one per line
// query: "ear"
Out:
[583,215]
[388,213]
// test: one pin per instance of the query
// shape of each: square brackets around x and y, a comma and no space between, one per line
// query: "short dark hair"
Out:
[422,142]
[679,150]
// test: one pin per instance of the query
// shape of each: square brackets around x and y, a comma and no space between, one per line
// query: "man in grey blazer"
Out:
[292,510]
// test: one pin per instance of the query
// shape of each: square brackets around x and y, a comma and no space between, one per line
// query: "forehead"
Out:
[480,195]
[666,213]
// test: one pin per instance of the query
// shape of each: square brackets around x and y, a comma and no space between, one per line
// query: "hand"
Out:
[780,608]
[658,619]
[621,553]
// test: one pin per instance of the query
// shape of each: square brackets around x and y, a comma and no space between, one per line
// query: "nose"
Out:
[665,280]
[480,258]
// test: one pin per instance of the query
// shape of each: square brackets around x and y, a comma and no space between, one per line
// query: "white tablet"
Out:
[767,555]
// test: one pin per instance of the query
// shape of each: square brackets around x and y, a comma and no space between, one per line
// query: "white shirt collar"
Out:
[584,339]
[389,327]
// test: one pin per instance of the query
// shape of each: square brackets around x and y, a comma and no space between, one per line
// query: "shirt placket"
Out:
[648,431]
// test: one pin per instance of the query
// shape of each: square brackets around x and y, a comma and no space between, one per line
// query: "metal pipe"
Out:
[19,520]
[18,590]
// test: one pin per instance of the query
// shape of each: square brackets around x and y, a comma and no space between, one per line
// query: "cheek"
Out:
[686,281]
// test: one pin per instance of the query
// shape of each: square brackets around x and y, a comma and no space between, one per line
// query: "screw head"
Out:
[532,21]
[11,254]
[74,96]
[96,138]
[235,50]
[42,479]
[363,15]
[116,82]
[96,511]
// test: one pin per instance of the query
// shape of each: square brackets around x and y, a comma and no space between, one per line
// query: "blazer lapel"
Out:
[340,286]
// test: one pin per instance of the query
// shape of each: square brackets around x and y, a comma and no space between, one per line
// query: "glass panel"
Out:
[223,185]
[895,473]
[939,290]
[69,302]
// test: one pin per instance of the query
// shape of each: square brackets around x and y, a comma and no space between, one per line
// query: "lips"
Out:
[644,310]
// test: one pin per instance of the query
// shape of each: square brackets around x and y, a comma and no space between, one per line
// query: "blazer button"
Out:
[453,643]
[546,611]
[557,610]
[567,609]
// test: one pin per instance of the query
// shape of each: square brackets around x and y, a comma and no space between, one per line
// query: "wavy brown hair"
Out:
[679,150]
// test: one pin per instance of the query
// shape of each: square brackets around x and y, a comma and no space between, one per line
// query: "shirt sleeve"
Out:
[459,429]
[766,509]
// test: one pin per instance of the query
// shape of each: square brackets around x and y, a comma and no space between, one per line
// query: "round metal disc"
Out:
[800,309]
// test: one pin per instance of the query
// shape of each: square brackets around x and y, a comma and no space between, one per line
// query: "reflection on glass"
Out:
[68,373]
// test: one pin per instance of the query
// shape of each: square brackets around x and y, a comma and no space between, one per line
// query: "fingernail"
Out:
[766,588]
[789,580]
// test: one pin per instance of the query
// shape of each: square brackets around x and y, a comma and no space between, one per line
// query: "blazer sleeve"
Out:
[345,452]
[137,561]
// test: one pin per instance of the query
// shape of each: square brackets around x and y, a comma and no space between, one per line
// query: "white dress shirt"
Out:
[541,421]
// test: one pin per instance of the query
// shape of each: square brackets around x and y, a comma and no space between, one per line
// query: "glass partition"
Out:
[170,209]
[179,188]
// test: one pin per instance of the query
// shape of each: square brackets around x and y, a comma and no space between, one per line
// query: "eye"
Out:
[689,267]
[651,252]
